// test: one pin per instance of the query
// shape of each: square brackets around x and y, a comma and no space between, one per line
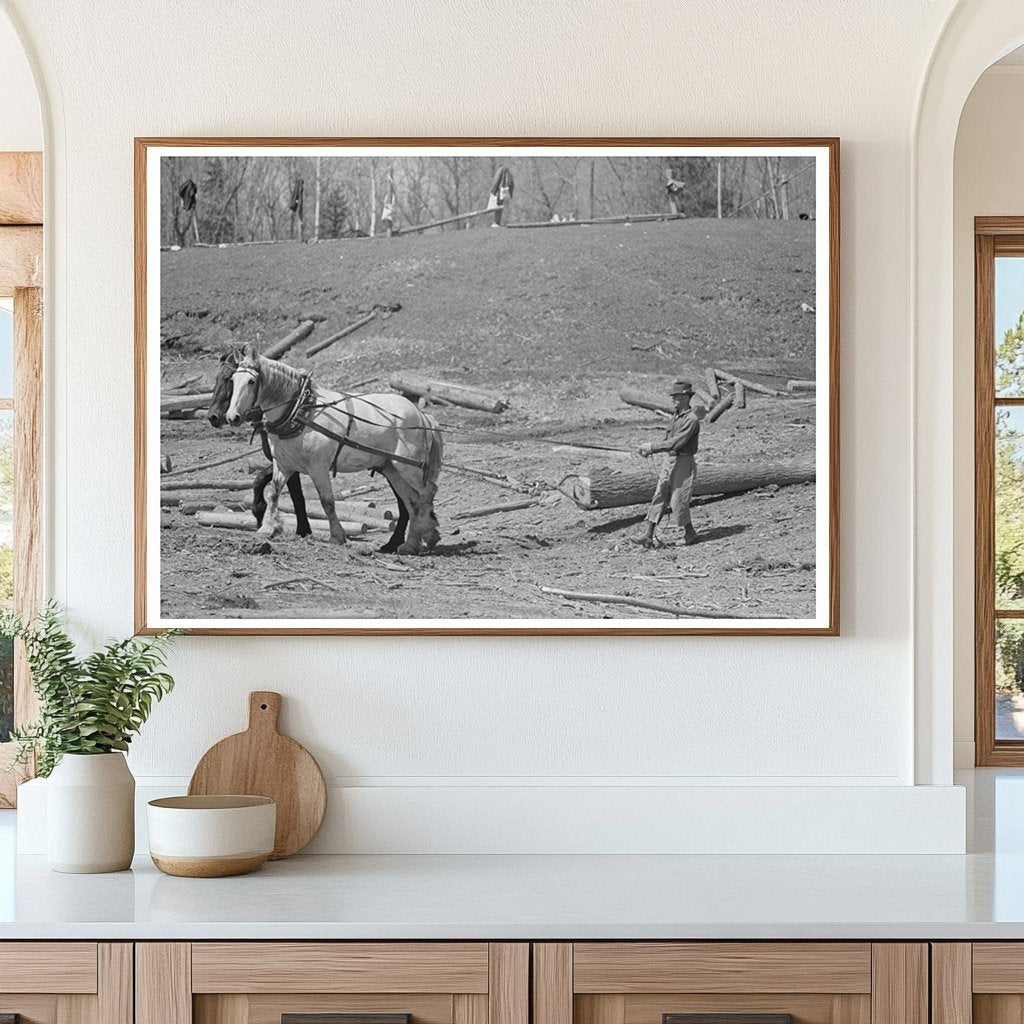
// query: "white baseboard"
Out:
[571,819]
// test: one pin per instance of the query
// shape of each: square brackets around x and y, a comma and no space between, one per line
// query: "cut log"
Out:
[234,483]
[509,506]
[750,385]
[457,394]
[327,342]
[712,379]
[279,348]
[413,229]
[658,403]
[345,510]
[639,602]
[197,466]
[185,403]
[719,407]
[629,482]
[739,395]
[639,218]
[801,385]
[245,521]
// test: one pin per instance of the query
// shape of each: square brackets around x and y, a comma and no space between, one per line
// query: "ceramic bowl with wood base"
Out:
[211,836]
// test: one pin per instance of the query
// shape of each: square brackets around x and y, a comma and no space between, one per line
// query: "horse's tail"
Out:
[435,451]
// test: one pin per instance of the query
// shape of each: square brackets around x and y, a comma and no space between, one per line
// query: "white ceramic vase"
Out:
[90,814]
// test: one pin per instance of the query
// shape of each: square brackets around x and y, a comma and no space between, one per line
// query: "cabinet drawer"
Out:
[66,982]
[332,983]
[636,967]
[730,983]
[340,967]
[58,967]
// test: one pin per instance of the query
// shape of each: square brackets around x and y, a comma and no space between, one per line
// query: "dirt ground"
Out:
[556,321]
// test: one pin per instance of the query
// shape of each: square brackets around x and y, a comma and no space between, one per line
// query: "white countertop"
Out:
[516,897]
[977,896]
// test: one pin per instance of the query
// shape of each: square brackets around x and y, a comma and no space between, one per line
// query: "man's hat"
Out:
[681,387]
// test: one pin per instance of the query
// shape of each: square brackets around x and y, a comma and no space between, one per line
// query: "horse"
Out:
[216,415]
[382,432]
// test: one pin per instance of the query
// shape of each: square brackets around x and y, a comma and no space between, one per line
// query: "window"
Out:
[999,490]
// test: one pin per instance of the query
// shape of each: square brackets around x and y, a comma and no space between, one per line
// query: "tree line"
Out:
[225,199]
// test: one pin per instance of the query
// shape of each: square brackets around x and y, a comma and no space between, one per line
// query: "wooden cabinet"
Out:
[978,983]
[760,982]
[305,982]
[66,982]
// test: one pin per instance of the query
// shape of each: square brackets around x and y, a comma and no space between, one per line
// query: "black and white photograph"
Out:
[399,387]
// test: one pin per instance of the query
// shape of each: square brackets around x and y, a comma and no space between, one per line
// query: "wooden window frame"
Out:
[21,278]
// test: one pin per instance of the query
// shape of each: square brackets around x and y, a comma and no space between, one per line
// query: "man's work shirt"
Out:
[681,436]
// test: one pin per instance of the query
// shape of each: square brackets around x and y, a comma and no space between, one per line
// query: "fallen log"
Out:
[185,403]
[345,331]
[344,510]
[197,466]
[413,229]
[279,348]
[219,484]
[801,385]
[750,385]
[656,403]
[739,395]
[639,218]
[712,378]
[245,521]
[629,482]
[509,506]
[720,406]
[636,602]
[457,394]
[507,482]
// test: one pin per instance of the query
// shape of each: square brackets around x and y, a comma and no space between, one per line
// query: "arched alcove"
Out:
[975,35]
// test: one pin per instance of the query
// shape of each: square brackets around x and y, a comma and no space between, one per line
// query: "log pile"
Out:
[632,482]
[245,521]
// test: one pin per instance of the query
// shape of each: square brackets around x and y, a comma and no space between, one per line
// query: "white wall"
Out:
[988,180]
[454,712]
[21,127]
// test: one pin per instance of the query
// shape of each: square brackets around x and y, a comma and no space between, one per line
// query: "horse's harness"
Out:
[299,416]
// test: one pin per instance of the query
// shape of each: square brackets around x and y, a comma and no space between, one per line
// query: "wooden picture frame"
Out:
[151,208]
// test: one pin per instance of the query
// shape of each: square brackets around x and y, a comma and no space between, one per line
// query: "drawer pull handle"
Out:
[727,1018]
[340,1018]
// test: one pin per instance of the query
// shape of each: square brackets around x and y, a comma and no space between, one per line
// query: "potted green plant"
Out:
[90,708]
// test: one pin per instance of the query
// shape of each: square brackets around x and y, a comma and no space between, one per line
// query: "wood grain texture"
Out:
[21,259]
[899,990]
[806,1008]
[21,188]
[951,983]
[115,996]
[262,762]
[984,502]
[32,1009]
[304,967]
[998,967]
[28,483]
[998,1009]
[599,1009]
[163,983]
[508,993]
[552,983]
[346,1018]
[268,1009]
[467,1009]
[634,967]
[65,967]
[144,626]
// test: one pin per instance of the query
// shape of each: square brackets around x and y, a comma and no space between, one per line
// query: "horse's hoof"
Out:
[431,540]
[388,549]
[408,548]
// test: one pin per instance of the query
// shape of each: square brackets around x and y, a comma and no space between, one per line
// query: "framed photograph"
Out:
[490,386]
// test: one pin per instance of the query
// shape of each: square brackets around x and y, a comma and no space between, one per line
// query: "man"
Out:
[679,470]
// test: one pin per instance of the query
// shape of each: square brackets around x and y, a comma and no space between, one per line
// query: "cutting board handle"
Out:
[264,710]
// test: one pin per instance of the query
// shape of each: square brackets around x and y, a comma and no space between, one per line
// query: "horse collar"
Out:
[292,422]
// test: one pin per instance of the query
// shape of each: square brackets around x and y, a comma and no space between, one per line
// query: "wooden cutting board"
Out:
[262,762]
